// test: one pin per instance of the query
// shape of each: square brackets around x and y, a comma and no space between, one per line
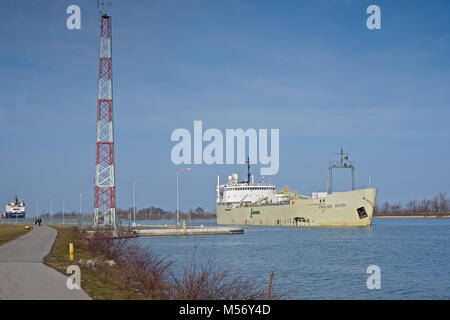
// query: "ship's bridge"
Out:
[236,191]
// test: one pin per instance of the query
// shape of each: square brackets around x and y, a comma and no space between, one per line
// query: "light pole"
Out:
[37,209]
[16,217]
[63,200]
[134,198]
[51,209]
[178,193]
[81,210]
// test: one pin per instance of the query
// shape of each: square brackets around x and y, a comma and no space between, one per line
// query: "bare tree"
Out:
[435,204]
[443,202]
[411,206]
[439,204]
[386,208]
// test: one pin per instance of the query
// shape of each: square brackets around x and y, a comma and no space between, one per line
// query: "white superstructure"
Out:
[244,192]
[15,209]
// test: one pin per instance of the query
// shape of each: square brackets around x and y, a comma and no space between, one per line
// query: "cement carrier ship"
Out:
[250,203]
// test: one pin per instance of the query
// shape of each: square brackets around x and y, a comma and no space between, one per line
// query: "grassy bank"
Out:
[137,273]
[92,281]
[10,232]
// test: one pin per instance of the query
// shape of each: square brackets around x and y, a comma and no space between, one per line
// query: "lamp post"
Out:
[51,209]
[134,198]
[37,209]
[63,200]
[178,193]
[81,209]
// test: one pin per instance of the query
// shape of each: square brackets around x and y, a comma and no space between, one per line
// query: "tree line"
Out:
[154,213]
[439,205]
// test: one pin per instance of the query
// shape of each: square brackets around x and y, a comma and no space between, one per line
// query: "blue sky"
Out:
[309,68]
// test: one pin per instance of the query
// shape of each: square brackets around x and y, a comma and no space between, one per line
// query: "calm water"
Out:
[329,263]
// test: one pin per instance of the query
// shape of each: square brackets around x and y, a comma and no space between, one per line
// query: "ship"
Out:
[261,204]
[15,209]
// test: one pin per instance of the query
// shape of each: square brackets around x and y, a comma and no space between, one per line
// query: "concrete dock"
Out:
[150,231]
[170,230]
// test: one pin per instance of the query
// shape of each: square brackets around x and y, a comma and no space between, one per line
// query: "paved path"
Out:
[23,276]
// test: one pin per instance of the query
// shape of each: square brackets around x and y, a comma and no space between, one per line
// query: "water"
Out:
[328,263]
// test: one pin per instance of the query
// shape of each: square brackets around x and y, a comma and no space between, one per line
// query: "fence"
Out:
[81,220]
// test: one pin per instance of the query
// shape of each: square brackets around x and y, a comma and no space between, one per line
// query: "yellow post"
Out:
[184,226]
[71,251]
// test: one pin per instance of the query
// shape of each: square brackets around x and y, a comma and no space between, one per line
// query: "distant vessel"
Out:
[15,209]
[250,203]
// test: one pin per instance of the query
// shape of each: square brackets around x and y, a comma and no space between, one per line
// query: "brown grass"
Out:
[103,243]
[151,277]
[205,283]
[10,232]
[96,283]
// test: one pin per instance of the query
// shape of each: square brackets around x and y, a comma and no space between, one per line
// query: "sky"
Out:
[311,69]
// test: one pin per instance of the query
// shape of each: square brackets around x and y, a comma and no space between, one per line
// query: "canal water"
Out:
[326,263]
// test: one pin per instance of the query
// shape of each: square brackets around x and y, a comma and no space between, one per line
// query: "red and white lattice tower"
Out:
[105,192]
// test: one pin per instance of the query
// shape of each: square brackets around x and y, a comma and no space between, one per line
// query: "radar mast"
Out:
[248,170]
[343,163]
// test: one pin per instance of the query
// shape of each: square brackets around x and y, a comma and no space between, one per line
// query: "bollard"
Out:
[71,251]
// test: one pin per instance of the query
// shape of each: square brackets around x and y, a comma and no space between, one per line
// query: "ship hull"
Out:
[351,208]
[13,215]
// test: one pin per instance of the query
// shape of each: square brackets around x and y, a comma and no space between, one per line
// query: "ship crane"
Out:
[242,200]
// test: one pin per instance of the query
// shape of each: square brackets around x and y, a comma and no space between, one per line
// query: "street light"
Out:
[63,200]
[37,209]
[81,210]
[134,198]
[178,193]
[51,209]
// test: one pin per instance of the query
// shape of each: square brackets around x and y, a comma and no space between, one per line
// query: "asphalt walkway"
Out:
[23,276]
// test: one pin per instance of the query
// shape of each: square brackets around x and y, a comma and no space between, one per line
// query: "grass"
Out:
[10,232]
[93,283]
